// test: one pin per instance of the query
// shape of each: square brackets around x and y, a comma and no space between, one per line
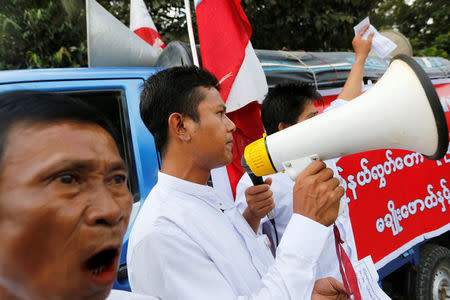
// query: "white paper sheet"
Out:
[381,45]
[368,280]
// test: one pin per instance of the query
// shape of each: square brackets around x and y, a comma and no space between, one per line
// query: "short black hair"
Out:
[169,91]
[32,107]
[285,102]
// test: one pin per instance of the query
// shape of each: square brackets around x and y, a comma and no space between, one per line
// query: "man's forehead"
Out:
[58,141]
[54,129]
[212,98]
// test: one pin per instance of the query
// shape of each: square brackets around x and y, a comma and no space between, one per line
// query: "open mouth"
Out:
[103,264]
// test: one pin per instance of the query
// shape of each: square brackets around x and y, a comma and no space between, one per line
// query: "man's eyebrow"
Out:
[80,165]
[91,164]
[118,166]
[72,164]
[222,106]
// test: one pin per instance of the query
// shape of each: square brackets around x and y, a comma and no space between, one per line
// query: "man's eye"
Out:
[67,178]
[119,179]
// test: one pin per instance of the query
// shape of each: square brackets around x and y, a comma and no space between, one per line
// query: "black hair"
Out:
[285,103]
[32,107]
[169,91]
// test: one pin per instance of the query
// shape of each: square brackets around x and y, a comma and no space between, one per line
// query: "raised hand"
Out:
[260,203]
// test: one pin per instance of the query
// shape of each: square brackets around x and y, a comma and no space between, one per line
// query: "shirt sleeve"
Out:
[170,265]
[242,186]
[335,104]
[345,227]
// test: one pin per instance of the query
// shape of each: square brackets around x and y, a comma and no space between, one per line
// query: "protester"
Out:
[285,105]
[64,201]
[189,241]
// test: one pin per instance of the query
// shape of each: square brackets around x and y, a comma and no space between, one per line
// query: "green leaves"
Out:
[324,26]
[424,22]
[62,52]
[39,34]
[5,22]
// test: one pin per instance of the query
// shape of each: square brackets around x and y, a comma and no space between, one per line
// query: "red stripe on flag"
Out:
[224,32]
[150,36]
[249,128]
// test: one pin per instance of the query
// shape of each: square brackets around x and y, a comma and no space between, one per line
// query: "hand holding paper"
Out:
[381,45]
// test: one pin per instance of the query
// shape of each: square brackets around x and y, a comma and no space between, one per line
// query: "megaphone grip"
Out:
[257,180]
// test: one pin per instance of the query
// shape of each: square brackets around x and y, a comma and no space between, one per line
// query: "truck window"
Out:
[113,104]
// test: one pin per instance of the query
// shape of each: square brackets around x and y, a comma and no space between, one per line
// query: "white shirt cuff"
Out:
[305,238]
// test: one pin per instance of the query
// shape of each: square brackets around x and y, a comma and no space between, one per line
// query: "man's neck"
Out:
[180,166]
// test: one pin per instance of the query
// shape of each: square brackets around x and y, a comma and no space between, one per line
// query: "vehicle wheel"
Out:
[433,276]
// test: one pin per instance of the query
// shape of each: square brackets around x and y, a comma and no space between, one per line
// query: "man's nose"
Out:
[105,209]
[230,125]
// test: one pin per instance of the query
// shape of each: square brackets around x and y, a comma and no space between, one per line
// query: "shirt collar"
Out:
[200,191]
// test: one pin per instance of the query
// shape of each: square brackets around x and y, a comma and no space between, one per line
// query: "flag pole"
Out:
[191,32]
[87,30]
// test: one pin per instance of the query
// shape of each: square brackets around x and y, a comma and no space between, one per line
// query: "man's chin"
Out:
[105,294]
[228,161]
[100,295]
[223,164]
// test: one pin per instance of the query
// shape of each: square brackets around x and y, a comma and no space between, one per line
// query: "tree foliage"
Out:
[425,23]
[52,33]
[35,34]
[325,25]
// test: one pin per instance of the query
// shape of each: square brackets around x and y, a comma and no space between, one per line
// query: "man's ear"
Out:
[177,127]
[283,125]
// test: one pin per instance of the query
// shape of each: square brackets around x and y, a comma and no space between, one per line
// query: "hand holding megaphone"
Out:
[317,194]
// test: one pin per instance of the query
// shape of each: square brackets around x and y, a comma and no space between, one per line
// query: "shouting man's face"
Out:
[64,209]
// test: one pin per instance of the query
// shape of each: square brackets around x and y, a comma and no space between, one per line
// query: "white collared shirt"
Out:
[190,242]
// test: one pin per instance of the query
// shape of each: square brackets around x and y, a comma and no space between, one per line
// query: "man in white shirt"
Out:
[285,105]
[64,201]
[189,241]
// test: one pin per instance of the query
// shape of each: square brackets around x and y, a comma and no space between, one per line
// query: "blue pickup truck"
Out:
[116,91]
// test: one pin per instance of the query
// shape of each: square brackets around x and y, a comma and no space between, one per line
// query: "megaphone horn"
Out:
[401,111]
[112,44]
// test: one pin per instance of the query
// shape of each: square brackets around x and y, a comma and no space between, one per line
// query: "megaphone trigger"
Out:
[296,166]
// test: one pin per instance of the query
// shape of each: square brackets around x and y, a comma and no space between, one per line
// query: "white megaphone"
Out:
[112,44]
[401,111]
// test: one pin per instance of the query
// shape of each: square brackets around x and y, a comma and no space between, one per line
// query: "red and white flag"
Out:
[224,33]
[142,24]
